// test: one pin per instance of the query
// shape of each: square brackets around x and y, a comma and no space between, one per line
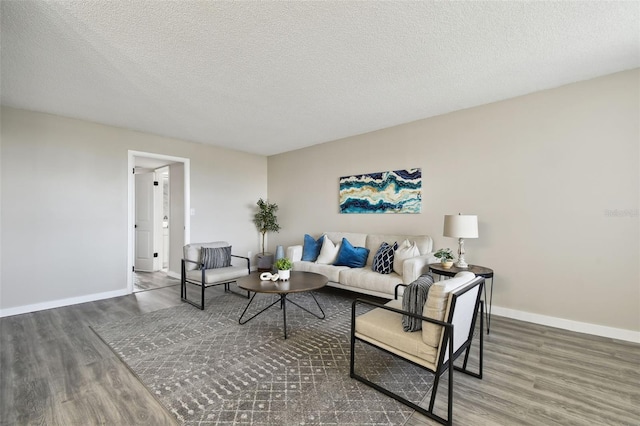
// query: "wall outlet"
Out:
[249,254]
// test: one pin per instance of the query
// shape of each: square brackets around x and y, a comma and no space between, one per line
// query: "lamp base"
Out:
[461,264]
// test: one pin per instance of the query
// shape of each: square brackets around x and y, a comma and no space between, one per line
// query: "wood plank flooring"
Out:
[55,371]
[143,281]
[537,375]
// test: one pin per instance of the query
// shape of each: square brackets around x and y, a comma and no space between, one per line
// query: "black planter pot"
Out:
[265,261]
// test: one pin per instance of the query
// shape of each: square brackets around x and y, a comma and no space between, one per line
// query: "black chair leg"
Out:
[202,299]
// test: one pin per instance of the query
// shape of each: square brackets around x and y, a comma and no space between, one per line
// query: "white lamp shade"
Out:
[461,226]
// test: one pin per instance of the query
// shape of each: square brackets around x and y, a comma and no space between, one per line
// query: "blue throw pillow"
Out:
[311,248]
[353,257]
[383,260]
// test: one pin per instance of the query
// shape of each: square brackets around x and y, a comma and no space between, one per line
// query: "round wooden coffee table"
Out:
[297,283]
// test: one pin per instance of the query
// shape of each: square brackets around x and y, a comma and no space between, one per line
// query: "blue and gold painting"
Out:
[397,191]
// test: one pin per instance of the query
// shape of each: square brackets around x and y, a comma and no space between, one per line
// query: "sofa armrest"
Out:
[413,267]
[294,253]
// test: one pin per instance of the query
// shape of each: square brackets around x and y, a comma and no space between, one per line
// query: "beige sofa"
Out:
[365,280]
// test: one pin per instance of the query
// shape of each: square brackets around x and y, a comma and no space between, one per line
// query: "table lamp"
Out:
[461,226]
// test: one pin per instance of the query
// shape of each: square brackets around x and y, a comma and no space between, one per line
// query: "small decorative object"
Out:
[265,220]
[445,256]
[268,276]
[461,226]
[279,252]
[284,266]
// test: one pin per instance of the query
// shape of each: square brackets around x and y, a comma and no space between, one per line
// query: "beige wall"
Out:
[541,171]
[64,203]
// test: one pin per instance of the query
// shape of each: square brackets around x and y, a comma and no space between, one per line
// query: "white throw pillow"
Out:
[328,252]
[406,250]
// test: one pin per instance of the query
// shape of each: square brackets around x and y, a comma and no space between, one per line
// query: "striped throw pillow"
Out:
[213,258]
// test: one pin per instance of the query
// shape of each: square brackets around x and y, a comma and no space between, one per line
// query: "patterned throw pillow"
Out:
[213,258]
[413,300]
[383,260]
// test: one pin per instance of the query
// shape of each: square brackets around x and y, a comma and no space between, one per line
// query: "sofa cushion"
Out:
[353,257]
[413,300]
[329,271]
[367,279]
[328,252]
[405,251]
[438,303]
[311,248]
[383,259]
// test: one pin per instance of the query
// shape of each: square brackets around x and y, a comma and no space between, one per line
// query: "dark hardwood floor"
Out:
[55,371]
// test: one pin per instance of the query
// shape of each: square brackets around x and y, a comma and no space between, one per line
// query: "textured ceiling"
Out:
[270,77]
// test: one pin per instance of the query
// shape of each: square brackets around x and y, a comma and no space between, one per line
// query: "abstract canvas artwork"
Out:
[397,191]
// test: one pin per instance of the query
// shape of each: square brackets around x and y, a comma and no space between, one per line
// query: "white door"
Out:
[144,222]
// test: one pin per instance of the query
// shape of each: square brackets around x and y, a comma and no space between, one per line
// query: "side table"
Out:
[481,271]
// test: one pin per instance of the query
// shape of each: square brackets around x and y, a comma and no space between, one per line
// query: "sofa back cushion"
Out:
[356,239]
[374,241]
[192,252]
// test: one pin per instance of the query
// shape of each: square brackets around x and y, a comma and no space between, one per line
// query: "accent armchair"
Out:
[210,264]
[448,323]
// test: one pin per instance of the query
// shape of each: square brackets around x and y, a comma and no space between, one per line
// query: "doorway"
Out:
[158,223]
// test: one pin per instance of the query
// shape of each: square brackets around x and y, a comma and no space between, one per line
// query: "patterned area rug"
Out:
[207,369]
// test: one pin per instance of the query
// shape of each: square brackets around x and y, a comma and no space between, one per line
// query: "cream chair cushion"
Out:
[437,305]
[218,274]
[384,328]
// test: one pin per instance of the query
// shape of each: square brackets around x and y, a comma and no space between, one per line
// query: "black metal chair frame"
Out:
[442,366]
[184,281]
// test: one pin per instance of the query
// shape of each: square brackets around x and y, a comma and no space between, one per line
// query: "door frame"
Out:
[132,203]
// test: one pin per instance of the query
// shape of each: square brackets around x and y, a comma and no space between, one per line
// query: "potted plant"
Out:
[445,256]
[284,265]
[266,221]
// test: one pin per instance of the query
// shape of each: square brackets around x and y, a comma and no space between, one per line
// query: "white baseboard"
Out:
[580,327]
[61,302]
[174,274]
